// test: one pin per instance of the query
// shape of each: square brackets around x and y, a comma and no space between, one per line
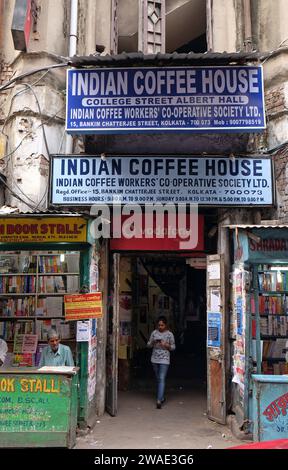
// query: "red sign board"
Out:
[157,243]
[21,24]
[83,306]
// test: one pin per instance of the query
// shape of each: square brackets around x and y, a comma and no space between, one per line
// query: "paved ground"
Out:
[180,424]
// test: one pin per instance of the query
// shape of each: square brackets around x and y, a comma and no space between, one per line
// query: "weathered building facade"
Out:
[32,108]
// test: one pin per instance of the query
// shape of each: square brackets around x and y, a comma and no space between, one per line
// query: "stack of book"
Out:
[51,264]
[17,284]
[51,285]
[63,328]
[272,281]
[7,330]
[271,304]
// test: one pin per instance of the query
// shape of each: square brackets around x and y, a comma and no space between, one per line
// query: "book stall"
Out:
[259,330]
[40,261]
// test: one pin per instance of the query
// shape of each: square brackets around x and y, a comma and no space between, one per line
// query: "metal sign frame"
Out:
[141,105]
[235,202]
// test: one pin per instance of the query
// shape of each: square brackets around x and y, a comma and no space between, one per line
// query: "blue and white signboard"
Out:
[165,99]
[216,181]
[214,321]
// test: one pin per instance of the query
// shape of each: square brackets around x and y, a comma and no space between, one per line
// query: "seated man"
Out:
[56,354]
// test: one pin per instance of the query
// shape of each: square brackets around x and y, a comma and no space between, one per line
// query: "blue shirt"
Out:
[62,357]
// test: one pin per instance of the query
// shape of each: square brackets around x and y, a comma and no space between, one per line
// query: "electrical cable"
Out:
[275,50]
[32,72]
[30,87]
[14,194]
[41,118]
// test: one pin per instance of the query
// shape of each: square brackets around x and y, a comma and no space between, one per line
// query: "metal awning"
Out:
[248,226]
[42,213]
[175,59]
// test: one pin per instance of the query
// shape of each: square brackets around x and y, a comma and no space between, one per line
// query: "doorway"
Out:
[150,285]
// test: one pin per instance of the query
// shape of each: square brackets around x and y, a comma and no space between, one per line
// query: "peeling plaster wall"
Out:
[38,100]
[270,19]
[27,169]
[276,100]
[26,166]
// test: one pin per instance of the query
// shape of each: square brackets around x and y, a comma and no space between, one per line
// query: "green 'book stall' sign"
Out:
[37,410]
[34,403]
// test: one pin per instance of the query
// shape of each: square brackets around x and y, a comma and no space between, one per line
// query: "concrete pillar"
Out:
[222,29]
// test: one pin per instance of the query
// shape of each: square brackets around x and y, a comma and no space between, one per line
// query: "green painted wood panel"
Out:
[36,407]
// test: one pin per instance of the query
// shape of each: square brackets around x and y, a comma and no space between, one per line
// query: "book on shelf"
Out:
[268,304]
[63,328]
[7,330]
[38,353]
[72,284]
[51,285]
[72,263]
[24,327]
[52,264]
[277,326]
[23,360]
[272,281]
[271,325]
[17,284]
[274,349]
[25,343]
[50,306]
[264,328]
[277,368]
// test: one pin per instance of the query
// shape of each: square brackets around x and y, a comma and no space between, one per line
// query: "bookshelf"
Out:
[32,289]
[269,313]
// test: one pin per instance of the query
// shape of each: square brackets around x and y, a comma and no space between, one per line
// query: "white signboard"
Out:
[83,331]
[214,271]
[218,181]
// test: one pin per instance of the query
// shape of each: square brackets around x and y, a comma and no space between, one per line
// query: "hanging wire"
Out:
[32,72]
[14,194]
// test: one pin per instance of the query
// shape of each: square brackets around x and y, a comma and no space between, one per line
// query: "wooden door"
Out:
[216,357]
[112,339]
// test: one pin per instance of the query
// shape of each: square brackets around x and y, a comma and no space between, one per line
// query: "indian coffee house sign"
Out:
[208,181]
[165,99]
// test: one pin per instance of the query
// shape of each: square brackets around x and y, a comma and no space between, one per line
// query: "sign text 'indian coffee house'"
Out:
[216,181]
[165,99]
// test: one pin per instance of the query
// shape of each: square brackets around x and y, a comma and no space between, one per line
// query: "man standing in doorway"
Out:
[56,354]
[162,341]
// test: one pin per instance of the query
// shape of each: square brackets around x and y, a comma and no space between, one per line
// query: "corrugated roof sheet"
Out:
[191,58]
[244,226]
[39,213]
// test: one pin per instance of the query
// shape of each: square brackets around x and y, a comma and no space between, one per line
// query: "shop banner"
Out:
[208,181]
[166,237]
[165,99]
[268,244]
[83,306]
[44,230]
